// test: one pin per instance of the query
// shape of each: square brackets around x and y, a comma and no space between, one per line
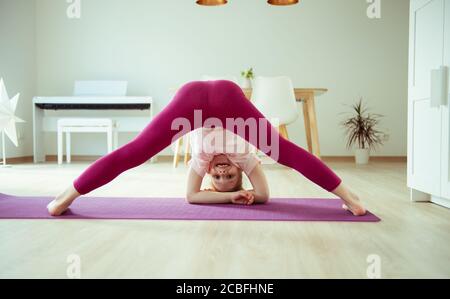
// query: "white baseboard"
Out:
[441,201]
[419,196]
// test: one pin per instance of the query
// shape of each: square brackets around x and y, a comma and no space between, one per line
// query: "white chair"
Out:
[186,140]
[85,125]
[275,98]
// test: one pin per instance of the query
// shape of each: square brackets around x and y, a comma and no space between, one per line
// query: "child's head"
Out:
[225,176]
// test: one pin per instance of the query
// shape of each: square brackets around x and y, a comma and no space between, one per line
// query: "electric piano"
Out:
[46,110]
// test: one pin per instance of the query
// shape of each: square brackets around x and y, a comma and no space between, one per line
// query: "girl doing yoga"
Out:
[221,103]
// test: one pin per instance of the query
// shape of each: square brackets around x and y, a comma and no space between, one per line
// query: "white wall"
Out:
[156,45]
[17,65]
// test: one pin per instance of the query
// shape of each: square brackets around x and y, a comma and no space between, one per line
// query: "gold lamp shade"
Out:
[282,2]
[211,2]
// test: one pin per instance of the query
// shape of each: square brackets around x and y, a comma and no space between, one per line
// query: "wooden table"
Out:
[307,97]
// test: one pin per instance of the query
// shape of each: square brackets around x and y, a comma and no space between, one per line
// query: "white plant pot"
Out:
[362,155]
[246,83]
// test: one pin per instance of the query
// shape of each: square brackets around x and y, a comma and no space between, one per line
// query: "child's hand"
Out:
[242,197]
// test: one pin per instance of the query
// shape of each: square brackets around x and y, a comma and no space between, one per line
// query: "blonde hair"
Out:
[238,186]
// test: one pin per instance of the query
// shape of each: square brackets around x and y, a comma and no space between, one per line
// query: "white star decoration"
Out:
[7,118]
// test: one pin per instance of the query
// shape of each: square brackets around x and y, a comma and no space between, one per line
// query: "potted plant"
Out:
[361,131]
[247,77]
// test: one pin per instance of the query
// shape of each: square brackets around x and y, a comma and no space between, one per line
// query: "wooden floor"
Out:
[412,240]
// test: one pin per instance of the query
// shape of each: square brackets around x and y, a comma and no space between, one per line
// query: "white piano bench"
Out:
[85,125]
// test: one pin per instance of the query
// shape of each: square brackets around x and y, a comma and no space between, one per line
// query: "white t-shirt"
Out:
[206,143]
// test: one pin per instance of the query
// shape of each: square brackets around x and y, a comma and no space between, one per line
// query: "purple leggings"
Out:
[219,99]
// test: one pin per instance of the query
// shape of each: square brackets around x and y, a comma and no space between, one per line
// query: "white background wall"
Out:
[156,45]
[17,65]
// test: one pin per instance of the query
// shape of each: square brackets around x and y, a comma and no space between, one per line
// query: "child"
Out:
[220,101]
[224,156]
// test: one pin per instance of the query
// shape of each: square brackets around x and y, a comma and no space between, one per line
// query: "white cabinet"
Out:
[428,114]
[445,183]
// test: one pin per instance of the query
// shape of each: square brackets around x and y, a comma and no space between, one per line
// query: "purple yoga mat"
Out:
[277,209]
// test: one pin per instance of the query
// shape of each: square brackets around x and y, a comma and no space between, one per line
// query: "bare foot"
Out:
[353,204]
[62,202]
[351,201]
